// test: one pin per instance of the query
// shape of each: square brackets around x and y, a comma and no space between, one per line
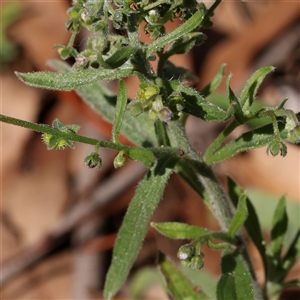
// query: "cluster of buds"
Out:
[190,257]
[149,98]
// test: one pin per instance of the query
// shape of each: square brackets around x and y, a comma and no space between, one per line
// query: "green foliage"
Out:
[74,80]
[176,230]
[178,285]
[154,122]
[235,281]
[120,111]
[135,224]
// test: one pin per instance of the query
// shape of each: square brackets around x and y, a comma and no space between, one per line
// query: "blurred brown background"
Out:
[59,218]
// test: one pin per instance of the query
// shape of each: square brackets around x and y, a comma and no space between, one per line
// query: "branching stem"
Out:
[158,152]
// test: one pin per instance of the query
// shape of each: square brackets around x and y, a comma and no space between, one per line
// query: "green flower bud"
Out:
[86,17]
[197,262]
[176,102]
[119,160]
[277,147]
[153,17]
[186,252]
[93,160]
[186,263]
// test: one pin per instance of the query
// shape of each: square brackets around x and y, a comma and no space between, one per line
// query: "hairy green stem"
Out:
[158,152]
[217,198]
[154,4]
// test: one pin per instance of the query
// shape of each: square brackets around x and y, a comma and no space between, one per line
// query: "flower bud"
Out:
[197,262]
[153,17]
[119,160]
[186,252]
[277,147]
[93,160]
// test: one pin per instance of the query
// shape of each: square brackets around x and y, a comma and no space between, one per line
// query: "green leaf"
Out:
[173,72]
[175,230]
[74,80]
[235,282]
[179,286]
[240,216]
[205,280]
[143,280]
[234,103]
[135,224]
[120,57]
[252,224]
[188,174]
[290,258]
[139,130]
[143,155]
[191,24]
[184,44]
[206,91]
[196,105]
[120,111]
[293,253]
[279,227]
[250,90]
[226,287]
[256,138]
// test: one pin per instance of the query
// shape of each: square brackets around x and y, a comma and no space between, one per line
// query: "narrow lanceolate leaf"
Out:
[120,57]
[252,224]
[250,90]
[257,138]
[191,24]
[135,224]
[178,285]
[237,109]
[175,230]
[279,227]
[206,91]
[235,282]
[74,80]
[189,175]
[292,255]
[120,111]
[139,130]
[239,217]
[196,105]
